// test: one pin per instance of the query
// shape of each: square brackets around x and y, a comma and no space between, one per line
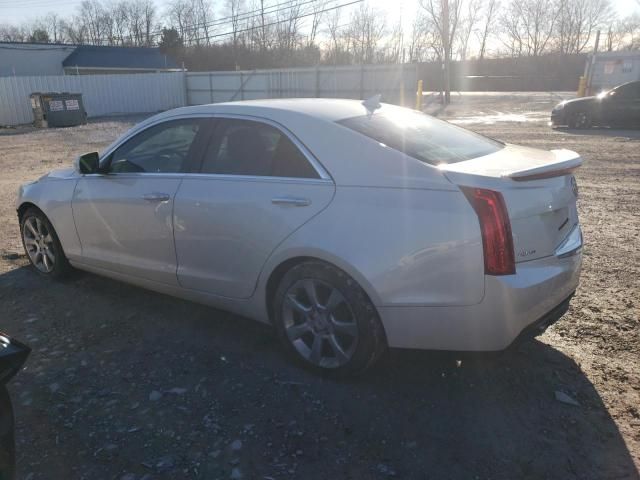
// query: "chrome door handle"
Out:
[156,197]
[294,202]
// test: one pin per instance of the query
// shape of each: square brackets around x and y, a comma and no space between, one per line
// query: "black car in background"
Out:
[13,354]
[618,107]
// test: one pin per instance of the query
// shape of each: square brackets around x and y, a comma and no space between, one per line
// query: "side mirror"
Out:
[88,163]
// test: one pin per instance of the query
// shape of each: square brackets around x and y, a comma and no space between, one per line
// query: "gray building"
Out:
[608,69]
[38,59]
[27,59]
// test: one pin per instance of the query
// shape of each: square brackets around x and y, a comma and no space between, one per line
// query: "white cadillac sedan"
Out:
[349,227]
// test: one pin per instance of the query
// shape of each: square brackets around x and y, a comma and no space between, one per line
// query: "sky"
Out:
[19,11]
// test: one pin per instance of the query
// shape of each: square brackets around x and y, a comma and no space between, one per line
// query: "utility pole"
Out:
[447,51]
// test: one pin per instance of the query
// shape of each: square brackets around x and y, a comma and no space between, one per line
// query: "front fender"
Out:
[53,196]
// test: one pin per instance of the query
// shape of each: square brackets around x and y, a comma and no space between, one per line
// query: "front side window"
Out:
[163,148]
[423,137]
[244,147]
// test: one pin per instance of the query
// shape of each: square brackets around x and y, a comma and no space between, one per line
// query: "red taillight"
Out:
[497,241]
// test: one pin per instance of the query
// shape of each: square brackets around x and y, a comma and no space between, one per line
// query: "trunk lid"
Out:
[539,191]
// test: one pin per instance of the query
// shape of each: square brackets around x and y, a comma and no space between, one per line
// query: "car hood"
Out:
[581,101]
[59,174]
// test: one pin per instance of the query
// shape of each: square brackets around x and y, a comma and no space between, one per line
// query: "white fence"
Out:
[358,81]
[153,92]
[102,94]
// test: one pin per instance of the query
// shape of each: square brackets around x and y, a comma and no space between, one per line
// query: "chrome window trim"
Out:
[214,176]
[315,163]
[135,131]
[257,178]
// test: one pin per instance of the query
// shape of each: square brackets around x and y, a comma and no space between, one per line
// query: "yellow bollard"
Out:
[582,86]
[419,96]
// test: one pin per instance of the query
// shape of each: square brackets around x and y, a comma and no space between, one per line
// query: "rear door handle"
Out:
[156,197]
[292,201]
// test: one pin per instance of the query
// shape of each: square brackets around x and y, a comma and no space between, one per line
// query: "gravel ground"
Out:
[127,384]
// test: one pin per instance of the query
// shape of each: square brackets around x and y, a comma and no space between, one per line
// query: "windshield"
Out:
[423,137]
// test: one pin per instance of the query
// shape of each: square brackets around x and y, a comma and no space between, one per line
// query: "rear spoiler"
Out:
[566,162]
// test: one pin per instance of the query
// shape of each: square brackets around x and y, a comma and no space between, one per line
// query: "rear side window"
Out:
[423,137]
[628,91]
[244,147]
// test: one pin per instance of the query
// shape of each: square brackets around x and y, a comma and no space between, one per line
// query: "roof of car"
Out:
[330,109]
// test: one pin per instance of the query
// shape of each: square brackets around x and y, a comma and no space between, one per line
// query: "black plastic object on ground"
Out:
[13,354]
[57,109]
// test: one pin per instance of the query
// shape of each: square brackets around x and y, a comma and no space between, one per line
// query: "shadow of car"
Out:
[221,378]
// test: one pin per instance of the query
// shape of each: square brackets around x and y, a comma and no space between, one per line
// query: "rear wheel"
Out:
[325,319]
[42,246]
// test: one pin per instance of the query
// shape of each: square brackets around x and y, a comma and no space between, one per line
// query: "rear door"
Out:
[257,184]
[124,216]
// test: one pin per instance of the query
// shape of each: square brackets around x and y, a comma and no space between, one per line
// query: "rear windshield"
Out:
[423,137]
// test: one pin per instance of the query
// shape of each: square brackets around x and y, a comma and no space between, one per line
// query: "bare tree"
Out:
[316,20]
[366,29]
[233,12]
[468,25]
[624,34]
[12,33]
[203,17]
[92,16]
[119,13]
[434,14]
[488,20]
[528,25]
[287,28]
[52,23]
[577,21]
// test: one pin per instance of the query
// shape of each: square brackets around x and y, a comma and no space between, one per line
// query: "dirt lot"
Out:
[128,384]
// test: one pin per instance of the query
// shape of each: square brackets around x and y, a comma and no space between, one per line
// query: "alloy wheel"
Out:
[319,323]
[38,243]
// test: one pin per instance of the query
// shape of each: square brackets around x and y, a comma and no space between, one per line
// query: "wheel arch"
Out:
[24,206]
[283,265]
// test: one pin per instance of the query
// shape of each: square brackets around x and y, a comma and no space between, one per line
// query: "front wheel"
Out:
[325,319]
[580,120]
[42,246]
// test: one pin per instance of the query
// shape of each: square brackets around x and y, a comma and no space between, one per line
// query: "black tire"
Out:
[370,343]
[60,266]
[580,120]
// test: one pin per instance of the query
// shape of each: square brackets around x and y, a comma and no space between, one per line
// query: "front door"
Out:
[622,105]
[256,186]
[124,215]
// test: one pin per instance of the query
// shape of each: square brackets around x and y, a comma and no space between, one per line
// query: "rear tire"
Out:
[42,245]
[326,320]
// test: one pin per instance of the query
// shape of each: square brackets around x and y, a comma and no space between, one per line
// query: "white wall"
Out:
[102,94]
[29,59]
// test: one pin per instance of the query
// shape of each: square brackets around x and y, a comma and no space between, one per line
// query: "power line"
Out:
[282,21]
[246,16]
[252,13]
[194,27]
[231,18]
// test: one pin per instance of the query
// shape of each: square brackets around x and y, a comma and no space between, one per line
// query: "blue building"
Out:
[37,59]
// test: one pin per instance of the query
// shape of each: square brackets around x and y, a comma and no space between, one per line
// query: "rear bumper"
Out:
[513,305]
